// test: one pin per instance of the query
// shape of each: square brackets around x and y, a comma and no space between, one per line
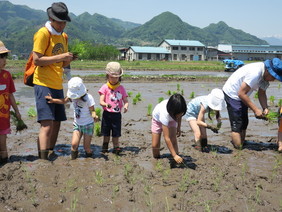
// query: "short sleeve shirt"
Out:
[82,114]
[45,43]
[113,97]
[194,107]
[6,88]
[160,113]
[251,74]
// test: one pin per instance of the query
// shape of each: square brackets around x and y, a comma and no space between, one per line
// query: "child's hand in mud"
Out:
[178,159]
[212,128]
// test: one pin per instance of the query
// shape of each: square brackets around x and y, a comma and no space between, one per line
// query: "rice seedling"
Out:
[149,109]
[184,183]
[167,204]
[279,86]
[192,95]
[257,195]
[31,112]
[128,173]
[271,100]
[134,101]
[116,189]
[19,123]
[18,102]
[168,92]
[99,179]
[97,129]
[129,93]
[182,92]
[277,165]
[74,203]
[178,87]
[138,97]
[160,99]
[98,111]
[272,116]
[279,102]
[256,95]
[217,180]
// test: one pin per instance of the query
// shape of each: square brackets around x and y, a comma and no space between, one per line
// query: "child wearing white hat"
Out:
[7,99]
[195,115]
[84,114]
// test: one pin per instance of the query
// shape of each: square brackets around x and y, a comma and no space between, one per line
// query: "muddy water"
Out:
[223,180]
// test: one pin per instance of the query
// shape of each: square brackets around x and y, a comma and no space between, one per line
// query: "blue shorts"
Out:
[46,111]
[111,122]
[238,114]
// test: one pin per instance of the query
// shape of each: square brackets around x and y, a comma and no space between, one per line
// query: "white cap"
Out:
[76,88]
[216,99]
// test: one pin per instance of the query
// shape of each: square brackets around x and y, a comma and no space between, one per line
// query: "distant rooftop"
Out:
[184,43]
[145,49]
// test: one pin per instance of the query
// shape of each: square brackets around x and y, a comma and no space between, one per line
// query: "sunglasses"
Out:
[5,55]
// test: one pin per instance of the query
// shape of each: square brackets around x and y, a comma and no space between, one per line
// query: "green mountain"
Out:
[224,34]
[19,23]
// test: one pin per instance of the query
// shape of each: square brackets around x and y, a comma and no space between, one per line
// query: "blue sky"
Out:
[258,17]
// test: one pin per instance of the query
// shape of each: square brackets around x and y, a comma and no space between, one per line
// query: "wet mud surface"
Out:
[224,179]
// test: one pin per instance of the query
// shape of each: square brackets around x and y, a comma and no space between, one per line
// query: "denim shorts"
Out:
[238,114]
[111,122]
[45,110]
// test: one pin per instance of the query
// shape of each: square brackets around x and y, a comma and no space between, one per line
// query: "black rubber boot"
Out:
[105,147]
[204,142]
[43,154]
[88,155]
[74,154]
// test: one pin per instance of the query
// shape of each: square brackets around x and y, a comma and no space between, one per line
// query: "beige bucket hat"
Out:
[114,69]
[3,48]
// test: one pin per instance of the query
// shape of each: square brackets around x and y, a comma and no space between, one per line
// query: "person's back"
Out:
[251,74]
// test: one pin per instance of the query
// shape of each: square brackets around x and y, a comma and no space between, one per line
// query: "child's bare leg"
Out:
[87,143]
[76,136]
[3,147]
[115,141]
[105,146]
[279,142]
[156,144]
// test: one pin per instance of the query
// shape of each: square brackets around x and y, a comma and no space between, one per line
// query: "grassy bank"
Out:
[135,65]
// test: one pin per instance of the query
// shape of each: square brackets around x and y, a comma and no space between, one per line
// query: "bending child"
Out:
[7,88]
[167,119]
[279,142]
[113,97]
[195,115]
[84,115]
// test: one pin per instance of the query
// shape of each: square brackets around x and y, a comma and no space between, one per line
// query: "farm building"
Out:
[175,50]
[184,50]
[147,53]
[250,52]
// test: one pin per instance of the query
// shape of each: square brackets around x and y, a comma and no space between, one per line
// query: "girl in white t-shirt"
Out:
[167,119]
[84,115]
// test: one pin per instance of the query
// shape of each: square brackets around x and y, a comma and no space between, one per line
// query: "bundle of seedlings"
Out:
[20,125]
[272,116]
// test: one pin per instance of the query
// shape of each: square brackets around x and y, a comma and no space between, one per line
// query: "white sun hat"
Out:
[76,88]
[216,99]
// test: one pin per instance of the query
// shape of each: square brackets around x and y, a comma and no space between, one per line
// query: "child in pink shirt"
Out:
[113,98]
